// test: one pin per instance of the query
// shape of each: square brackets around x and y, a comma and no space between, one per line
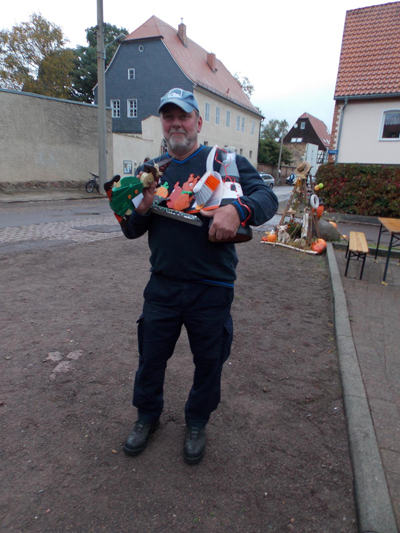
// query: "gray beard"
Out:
[178,148]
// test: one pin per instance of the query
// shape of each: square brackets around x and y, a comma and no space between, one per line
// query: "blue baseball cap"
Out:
[183,99]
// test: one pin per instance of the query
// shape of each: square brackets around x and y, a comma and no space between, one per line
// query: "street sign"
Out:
[332,152]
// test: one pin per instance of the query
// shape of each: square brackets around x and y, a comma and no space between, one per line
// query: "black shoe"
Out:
[194,445]
[139,437]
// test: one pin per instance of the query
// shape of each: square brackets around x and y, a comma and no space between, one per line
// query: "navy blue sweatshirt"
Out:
[182,250]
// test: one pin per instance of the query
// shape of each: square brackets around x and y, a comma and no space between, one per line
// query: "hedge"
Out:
[372,190]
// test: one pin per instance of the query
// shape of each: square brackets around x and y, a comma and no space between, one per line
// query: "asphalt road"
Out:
[27,213]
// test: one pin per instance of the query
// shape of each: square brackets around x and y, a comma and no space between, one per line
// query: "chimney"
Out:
[212,61]
[182,33]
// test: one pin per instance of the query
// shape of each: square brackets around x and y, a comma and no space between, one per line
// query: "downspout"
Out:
[340,128]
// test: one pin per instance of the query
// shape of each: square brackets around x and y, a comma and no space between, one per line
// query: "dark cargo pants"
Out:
[205,312]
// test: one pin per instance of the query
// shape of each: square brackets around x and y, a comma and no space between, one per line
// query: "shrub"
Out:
[371,190]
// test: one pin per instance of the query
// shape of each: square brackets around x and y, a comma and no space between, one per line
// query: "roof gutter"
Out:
[346,100]
[367,96]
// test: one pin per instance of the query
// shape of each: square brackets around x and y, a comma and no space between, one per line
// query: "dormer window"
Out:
[302,125]
[131,74]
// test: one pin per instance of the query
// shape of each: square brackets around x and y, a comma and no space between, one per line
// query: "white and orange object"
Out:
[207,192]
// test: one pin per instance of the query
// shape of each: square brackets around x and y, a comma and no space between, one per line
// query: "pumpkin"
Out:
[320,210]
[319,248]
[272,237]
[333,224]
[163,190]
[321,241]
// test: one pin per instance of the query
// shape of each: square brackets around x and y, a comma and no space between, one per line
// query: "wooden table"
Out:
[392,226]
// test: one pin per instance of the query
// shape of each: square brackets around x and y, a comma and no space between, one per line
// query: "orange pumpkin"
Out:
[272,237]
[319,248]
[321,241]
[333,224]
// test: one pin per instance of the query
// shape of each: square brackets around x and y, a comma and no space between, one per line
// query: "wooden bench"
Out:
[357,248]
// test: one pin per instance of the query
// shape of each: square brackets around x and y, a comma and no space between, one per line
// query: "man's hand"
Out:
[225,223]
[148,197]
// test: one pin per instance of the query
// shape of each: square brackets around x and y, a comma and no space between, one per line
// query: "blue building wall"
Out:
[155,74]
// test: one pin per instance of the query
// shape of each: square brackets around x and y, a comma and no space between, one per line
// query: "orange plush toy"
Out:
[181,197]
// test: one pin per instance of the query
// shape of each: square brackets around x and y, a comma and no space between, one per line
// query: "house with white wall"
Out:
[366,123]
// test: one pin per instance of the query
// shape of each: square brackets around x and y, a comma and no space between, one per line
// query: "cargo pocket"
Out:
[227,341]
[139,323]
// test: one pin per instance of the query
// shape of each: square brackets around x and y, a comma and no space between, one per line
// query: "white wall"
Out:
[311,156]
[48,140]
[360,135]
[135,148]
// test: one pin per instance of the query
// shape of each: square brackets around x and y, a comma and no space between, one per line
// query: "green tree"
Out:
[268,153]
[273,129]
[55,75]
[270,145]
[25,47]
[85,72]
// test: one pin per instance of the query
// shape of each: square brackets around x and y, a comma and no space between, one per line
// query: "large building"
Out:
[156,58]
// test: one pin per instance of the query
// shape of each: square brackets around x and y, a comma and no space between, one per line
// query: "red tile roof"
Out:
[320,128]
[370,55]
[192,59]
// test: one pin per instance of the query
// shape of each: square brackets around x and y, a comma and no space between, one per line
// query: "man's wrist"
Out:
[143,211]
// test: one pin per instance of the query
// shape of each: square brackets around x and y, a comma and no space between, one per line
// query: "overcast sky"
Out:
[289,50]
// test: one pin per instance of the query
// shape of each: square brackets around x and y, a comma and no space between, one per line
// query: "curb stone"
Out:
[373,504]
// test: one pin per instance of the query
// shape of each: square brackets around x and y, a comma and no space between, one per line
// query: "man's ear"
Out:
[199,124]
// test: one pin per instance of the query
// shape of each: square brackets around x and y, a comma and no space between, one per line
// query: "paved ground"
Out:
[367,318]
[368,338]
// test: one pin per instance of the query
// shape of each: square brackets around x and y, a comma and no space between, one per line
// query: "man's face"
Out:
[180,130]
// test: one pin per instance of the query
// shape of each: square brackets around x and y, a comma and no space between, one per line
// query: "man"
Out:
[191,281]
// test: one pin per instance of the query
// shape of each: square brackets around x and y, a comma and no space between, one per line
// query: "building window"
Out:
[238,123]
[131,74]
[205,143]
[228,119]
[302,125]
[241,151]
[253,127]
[250,155]
[391,124]
[115,108]
[132,108]
[242,123]
[217,115]
[296,139]
[207,113]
